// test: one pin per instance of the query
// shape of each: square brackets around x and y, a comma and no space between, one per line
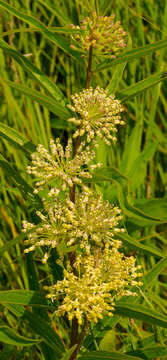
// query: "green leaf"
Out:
[104,6]
[33,71]
[9,336]
[150,352]
[14,174]
[24,297]
[134,214]
[135,245]
[39,326]
[102,355]
[56,39]
[43,100]
[155,207]
[141,313]
[68,353]
[116,78]
[8,354]
[140,86]
[156,270]
[108,341]
[55,10]
[108,174]
[16,140]
[132,150]
[132,54]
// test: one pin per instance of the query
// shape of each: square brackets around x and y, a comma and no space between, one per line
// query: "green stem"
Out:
[89,71]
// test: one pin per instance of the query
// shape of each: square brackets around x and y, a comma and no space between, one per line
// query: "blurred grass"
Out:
[139,155]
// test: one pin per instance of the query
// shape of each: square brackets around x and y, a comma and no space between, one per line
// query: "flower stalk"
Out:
[74,328]
[77,221]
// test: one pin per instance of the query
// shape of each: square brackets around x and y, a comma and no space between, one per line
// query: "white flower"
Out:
[99,114]
[59,169]
[89,222]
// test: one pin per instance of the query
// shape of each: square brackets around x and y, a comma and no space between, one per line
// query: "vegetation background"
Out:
[38,74]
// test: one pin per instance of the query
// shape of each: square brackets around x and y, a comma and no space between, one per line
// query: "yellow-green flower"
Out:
[90,288]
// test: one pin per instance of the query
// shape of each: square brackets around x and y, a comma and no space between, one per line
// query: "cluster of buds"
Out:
[88,223]
[99,114]
[60,166]
[102,33]
[98,280]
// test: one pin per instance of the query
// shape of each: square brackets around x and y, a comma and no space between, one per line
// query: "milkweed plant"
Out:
[74,220]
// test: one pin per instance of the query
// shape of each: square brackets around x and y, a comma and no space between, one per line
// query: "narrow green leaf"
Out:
[48,352]
[56,39]
[132,150]
[8,354]
[153,352]
[134,214]
[16,139]
[24,297]
[102,355]
[33,71]
[55,10]
[9,336]
[109,174]
[137,246]
[140,86]
[39,326]
[155,207]
[14,174]
[132,54]
[138,170]
[68,353]
[151,276]
[104,6]
[117,76]
[138,216]
[43,100]
[141,313]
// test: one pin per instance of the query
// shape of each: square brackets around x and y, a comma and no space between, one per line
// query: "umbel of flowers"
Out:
[58,169]
[98,114]
[88,223]
[101,33]
[85,227]
[90,287]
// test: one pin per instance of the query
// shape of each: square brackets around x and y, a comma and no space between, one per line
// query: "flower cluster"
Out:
[75,220]
[102,33]
[60,166]
[88,223]
[99,114]
[98,280]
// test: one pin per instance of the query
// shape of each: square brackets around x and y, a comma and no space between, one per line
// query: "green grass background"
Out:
[38,74]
